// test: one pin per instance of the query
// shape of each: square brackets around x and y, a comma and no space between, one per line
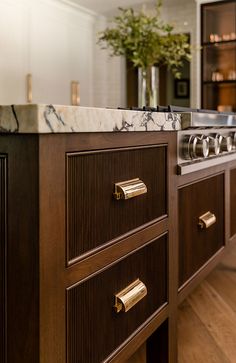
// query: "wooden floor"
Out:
[207,318]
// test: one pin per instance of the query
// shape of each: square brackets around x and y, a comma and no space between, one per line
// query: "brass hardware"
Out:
[29,87]
[129,189]
[130,296]
[75,97]
[206,220]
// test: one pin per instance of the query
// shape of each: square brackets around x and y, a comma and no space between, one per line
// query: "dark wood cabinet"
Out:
[218,25]
[67,247]
[197,245]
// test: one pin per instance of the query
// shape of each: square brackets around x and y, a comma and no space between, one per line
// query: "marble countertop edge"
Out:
[43,118]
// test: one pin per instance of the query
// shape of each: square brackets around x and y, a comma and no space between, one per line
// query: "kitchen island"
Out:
[99,235]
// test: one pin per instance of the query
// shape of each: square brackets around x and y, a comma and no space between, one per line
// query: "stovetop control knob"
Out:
[214,144]
[195,146]
[233,137]
[187,146]
[225,143]
[201,146]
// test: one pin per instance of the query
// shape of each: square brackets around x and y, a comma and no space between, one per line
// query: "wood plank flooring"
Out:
[207,318]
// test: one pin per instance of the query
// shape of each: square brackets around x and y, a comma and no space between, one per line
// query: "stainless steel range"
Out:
[206,138]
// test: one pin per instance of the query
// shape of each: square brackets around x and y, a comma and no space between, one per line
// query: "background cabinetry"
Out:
[45,40]
[218,40]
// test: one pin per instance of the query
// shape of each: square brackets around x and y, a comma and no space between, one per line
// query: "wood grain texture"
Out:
[207,318]
[3,243]
[94,329]
[22,250]
[125,351]
[91,205]
[196,345]
[197,245]
[232,202]
[139,356]
[55,276]
[219,318]
[22,334]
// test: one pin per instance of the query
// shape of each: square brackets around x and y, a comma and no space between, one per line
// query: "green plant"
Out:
[146,40]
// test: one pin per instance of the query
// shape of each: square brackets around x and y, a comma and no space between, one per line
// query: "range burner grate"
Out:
[172,108]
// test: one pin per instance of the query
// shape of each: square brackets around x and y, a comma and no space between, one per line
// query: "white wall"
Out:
[109,73]
[14,53]
[53,40]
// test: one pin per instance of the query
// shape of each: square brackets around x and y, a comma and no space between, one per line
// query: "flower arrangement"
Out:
[146,40]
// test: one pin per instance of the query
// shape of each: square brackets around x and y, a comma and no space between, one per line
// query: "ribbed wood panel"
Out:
[93,215]
[232,202]
[197,245]
[94,329]
[2,255]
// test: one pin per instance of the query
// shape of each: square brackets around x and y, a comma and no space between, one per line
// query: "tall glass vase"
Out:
[148,86]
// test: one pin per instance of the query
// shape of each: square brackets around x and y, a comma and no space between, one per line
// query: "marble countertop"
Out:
[39,118]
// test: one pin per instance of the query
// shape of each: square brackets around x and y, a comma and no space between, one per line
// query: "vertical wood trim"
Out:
[173,257]
[22,332]
[227,206]
[231,198]
[52,248]
[3,244]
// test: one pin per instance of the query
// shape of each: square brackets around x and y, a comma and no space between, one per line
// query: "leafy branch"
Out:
[145,40]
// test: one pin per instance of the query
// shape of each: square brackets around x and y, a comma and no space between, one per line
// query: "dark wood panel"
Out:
[232,202]
[197,245]
[22,333]
[94,217]
[94,329]
[157,345]
[137,339]
[99,260]
[54,276]
[3,180]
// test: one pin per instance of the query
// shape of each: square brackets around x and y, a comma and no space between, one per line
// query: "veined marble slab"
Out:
[37,118]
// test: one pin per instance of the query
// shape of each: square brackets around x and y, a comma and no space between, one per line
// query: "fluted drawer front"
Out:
[200,241]
[94,216]
[94,328]
[2,254]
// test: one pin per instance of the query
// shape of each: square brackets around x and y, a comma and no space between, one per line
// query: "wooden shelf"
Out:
[222,42]
[228,81]
[218,18]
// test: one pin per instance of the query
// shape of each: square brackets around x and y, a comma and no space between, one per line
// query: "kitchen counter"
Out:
[89,215]
[36,118]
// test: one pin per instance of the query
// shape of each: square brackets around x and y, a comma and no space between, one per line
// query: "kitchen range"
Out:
[205,137]
[109,219]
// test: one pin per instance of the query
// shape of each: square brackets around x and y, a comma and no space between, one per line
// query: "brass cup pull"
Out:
[130,296]
[206,220]
[129,189]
